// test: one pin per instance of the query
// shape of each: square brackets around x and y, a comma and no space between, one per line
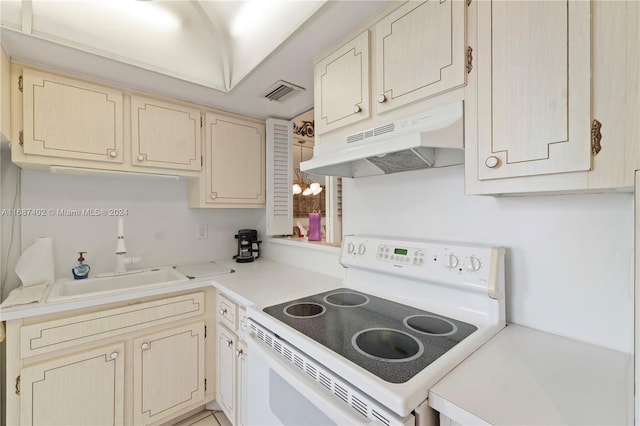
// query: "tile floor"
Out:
[206,418]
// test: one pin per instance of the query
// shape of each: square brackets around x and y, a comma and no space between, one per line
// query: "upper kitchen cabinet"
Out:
[547,102]
[63,123]
[410,58]
[164,134]
[234,164]
[419,52]
[533,88]
[69,118]
[341,93]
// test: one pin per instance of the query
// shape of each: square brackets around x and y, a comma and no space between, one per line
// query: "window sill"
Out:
[306,244]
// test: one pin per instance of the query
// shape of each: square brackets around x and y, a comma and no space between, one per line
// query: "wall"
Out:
[9,225]
[568,259]
[159,226]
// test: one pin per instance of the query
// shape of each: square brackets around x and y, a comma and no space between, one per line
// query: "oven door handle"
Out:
[332,406]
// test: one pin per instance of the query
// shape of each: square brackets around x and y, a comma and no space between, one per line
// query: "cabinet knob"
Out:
[144,346]
[382,99]
[114,355]
[492,162]
[239,352]
[356,109]
[229,343]
[223,311]
[113,153]
[140,157]
[214,195]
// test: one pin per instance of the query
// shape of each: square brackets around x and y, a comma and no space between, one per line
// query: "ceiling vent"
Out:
[282,90]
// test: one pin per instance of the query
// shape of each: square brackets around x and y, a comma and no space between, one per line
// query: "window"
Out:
[293,194]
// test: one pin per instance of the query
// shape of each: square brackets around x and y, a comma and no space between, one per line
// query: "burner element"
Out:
[346,299]
[431,325]
[304,310]
[387,344]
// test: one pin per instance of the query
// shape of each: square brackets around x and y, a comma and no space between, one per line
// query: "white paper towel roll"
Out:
[35,265]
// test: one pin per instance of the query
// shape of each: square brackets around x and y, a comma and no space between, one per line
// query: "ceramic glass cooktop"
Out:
[389,339]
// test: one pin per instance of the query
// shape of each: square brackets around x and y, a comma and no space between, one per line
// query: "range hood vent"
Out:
[282,90]
[430,139]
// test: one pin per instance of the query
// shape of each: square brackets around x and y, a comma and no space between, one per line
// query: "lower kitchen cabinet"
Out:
[231,362]
[169,373]
[84,388]
[142,363]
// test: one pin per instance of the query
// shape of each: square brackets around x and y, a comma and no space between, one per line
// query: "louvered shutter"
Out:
[279,177]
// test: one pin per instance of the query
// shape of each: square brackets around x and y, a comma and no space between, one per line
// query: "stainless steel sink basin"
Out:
[115,283]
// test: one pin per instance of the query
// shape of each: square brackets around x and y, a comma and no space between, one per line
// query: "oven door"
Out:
[281,395]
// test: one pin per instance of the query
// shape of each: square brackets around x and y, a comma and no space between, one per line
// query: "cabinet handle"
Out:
[492,162]
[229,343]
[114,355]
[144,346]
[214,195]
[356,109]
[382,99]
[140,157]
[223,311]
[113,154]
[239,353]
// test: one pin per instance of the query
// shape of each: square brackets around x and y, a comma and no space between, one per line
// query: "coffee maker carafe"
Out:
[248,246]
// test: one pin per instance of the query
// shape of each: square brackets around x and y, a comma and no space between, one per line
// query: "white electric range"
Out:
[368,352]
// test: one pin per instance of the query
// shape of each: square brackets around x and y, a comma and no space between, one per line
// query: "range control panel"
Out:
[471,265]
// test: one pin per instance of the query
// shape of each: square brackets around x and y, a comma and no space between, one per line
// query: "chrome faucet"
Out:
[121,250]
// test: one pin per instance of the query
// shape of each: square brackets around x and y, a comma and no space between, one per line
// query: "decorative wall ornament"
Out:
[306,129]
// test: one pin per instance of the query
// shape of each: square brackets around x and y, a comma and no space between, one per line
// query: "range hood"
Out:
[424,140]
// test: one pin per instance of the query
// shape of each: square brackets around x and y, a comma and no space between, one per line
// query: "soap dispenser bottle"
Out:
[81,270]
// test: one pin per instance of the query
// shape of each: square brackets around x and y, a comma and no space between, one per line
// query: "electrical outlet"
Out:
[203,231]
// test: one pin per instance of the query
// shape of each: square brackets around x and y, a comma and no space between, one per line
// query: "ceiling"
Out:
[223,54]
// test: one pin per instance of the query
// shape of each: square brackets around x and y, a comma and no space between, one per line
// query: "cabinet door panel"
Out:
[342,86]
[420,52]
[169,372]
[533,91]
[81,389]
[226,372]
[235,161]
[164,135]
[243,383]
[71,119]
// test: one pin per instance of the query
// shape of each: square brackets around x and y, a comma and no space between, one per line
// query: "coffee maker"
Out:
[248,246]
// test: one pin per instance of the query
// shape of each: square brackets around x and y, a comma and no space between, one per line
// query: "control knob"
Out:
[351,248]
[450,261]
[362,249]
[473,264]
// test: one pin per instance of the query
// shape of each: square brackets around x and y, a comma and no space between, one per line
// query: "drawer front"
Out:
[36,339]
[227,312]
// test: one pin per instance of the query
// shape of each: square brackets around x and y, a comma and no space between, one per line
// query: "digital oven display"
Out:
[403,252]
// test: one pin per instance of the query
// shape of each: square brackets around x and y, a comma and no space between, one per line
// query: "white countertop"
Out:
[266,283]
[260,282]
[524,376]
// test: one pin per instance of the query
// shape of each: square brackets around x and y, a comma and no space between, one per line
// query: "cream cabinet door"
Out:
[342,86]
[169,372]
[71,119]
[419,52]
[226,377]
[534,88]
[234,162]
[164,135]
[243,383]
[85,388]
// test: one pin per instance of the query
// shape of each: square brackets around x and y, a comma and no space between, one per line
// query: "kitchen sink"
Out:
[115,283]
